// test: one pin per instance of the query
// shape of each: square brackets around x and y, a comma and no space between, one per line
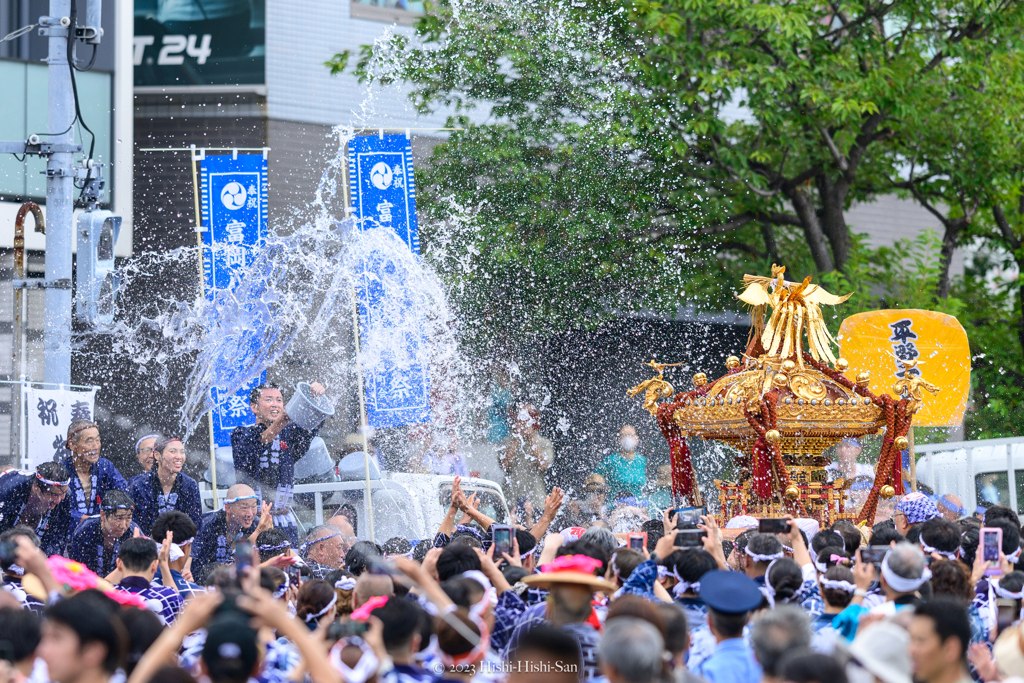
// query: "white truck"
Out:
[987,470]
[403,504]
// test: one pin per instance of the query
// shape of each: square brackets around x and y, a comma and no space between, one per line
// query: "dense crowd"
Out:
[112,579]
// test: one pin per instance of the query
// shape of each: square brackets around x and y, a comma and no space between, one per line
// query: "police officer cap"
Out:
[729,592]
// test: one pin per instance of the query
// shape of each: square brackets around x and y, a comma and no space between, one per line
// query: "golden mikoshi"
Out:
[781,405]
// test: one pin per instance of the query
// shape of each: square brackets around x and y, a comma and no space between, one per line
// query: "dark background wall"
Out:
[589,372]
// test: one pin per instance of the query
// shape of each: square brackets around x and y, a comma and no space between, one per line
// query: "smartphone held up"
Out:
[991,546]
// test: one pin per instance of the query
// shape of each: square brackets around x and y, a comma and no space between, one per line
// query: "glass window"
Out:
[406,5]
[1019,474]
[23,111]
[994,488]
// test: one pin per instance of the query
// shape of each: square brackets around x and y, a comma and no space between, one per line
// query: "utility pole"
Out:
[58,146]
[59,199]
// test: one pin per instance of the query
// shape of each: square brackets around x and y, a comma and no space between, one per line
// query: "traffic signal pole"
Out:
[57,144]
[59,200]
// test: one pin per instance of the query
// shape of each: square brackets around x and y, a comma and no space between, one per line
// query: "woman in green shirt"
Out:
[626,470]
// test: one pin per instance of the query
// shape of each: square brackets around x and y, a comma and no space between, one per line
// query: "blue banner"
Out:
[234,202]
[383,189]
[384,195]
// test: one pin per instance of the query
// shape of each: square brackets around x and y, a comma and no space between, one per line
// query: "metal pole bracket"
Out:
[40,283]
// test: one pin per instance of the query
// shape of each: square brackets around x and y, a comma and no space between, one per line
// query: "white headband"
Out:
[1014,556]
[147,436]
[50,482]
[229,501]
[490,596]
[345,583]
[900,584]
[928,550]
[683,586]
[763,558]
[366,667]
[837,585]
[820,566]
[1009,595]
[325,610]
[283,588]
[768,587]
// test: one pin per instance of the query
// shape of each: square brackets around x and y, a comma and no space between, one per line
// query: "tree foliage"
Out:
[621,155]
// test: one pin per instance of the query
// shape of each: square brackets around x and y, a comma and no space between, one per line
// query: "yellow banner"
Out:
[878,340]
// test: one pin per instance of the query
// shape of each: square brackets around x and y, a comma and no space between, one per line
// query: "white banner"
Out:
[48,413]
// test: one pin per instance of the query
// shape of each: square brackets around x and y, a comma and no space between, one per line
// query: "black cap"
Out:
[230,651]
[729,592]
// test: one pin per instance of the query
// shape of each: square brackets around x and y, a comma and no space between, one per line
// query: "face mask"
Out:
[629,443]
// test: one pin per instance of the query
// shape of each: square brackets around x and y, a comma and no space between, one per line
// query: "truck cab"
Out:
[984,471]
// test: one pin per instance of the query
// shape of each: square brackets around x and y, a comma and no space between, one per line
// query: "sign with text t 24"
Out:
[198,42]
[234,202]
[395,354]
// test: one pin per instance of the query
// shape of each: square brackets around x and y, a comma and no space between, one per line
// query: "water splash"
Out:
[295,300]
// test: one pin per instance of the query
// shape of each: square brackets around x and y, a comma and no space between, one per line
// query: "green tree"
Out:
[621,155]
[610,175]
[834,90]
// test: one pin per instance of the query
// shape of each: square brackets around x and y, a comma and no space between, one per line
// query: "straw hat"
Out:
[1008,651]
[882,649]
[664,477]
[595,483]
[578,578]
[571,569]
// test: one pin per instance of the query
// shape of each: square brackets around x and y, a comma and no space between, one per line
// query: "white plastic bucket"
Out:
[306,410]
[317,460]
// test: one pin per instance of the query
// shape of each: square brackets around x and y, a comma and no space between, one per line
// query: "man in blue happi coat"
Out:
[165,487]
[240,518]
[91,475]
[183,532]
[138,560]
[265,453]
[97,540]
[38,500]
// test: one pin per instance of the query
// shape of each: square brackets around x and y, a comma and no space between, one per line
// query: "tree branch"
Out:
[767,194]
[803,177]
[1004,227]
[860,146]
[740,246]
[836,154]
[927,205]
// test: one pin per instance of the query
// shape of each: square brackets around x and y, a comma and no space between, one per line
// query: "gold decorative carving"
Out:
[796,311]
[653,389]
[807,387]
[912,384]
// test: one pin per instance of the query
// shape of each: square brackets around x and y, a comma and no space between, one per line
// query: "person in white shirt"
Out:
[846,465]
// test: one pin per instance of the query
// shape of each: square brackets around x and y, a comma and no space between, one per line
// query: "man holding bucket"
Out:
[267,451]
